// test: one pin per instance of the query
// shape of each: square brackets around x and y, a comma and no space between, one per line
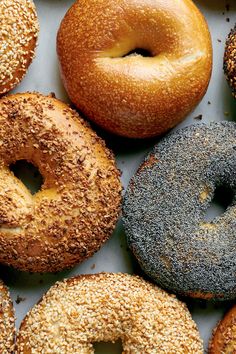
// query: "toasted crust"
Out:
[78,205]
[224,336]
[79,311]
[135,96]
[18,36]
[7,321]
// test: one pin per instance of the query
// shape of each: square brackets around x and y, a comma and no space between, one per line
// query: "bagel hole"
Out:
[138,51]
[222,199]
[28,174]
[108,348]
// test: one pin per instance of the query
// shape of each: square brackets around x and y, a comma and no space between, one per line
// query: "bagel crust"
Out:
[164,212]
[230,60]
[106,307]
[224,336]
[7,321]
[18,36]
[133,95]
[78,205]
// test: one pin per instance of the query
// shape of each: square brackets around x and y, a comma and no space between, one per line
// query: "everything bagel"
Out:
[164,212]
[18,36]
[98,46]
[76,209]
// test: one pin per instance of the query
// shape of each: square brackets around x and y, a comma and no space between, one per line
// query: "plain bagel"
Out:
[133,95]
[7,321]
[106,307]
[76,209]
[164,212]
[18,36]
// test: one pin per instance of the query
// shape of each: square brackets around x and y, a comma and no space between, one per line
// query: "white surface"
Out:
[43,76]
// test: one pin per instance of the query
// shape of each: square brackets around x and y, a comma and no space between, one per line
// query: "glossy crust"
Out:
[135,96]
[230,60]
[224,336]
[7,321]
[77,207]
[164,212]
[105,307]
[18,36]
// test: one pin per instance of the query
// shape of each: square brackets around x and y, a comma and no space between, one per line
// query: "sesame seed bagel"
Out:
[126,93]
[165,206]
[18,35]
[106,307]
[77,207]
[230,60]
[224,336]
[7,321]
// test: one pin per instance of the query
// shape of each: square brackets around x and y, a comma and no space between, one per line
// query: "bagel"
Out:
[106,307]
[7,321]
[18,36]
[230,60]
[76,209]
[164,212]
[224,336]
[132,95]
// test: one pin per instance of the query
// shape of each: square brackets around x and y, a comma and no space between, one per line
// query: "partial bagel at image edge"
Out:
[164,212]
[135,96]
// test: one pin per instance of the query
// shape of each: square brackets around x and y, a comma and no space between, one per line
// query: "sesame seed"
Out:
[18,35]
[104,307]
[7,321]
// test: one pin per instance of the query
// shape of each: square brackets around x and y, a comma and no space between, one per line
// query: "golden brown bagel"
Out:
[78,205]
[224,336]
[18,35]
[135,96]
[104,307]
[7,321]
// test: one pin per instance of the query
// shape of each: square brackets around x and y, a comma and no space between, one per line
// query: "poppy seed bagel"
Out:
[164,210]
